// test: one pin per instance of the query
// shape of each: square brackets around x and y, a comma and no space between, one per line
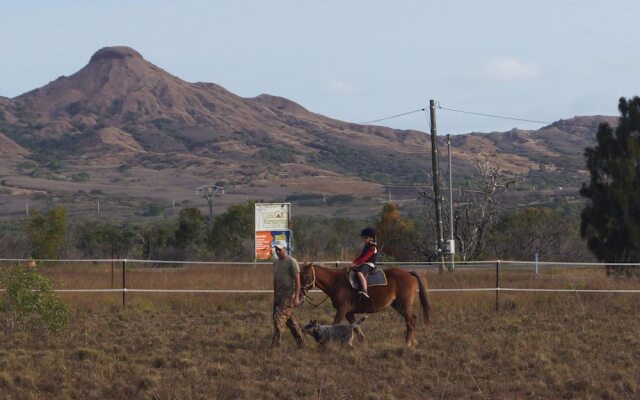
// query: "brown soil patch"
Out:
[10,149]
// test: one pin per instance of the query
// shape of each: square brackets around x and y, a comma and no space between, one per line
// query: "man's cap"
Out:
[281,244]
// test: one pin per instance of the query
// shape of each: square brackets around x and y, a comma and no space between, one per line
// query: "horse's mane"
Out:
[324,266]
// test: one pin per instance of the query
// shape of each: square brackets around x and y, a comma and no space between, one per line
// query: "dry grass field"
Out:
[216,346]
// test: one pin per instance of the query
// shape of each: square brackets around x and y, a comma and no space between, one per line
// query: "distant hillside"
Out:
[550,156]
[122,121]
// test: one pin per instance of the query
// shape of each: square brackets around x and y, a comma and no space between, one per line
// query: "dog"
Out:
[324,334]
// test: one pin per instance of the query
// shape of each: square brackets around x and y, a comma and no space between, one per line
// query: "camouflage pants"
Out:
[283,315]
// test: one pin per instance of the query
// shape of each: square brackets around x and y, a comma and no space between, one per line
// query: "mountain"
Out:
[123,125]
[550,156]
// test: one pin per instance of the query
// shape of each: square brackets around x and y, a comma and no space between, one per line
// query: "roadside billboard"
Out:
[272,223]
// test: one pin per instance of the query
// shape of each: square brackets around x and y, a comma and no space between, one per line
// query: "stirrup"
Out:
[365,294]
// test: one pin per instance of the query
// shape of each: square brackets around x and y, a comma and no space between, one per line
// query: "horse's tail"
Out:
[424,299]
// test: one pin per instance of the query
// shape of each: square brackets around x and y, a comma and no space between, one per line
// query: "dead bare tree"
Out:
[478,207]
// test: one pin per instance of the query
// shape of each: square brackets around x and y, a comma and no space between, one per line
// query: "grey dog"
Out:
[324,334]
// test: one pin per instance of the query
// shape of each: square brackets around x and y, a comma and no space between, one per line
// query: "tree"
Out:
[14,242]
[611,218]
[317,237]
[521,234]
[104,239]
[47,233]
[189,227]
[344,238]
[473,217]
[233,232]
[394,233]
[475,211]
[156,242]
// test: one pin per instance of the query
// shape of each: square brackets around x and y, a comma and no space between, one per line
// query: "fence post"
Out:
[124,283]
[497,287]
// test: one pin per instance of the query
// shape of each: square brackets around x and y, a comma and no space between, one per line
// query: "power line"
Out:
[494,116]
[393,116]
[427,117]
[460,111]
[560,122]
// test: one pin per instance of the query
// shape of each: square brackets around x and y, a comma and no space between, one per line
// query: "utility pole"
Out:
[451,247]
[436,182]
[209,192]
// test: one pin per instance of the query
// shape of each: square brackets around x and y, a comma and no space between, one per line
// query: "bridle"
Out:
[310,286]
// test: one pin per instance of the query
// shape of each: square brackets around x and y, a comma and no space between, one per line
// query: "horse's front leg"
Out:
[340,314]
[352,320]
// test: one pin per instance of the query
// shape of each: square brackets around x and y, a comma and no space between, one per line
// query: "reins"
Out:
[307,299]
[312,284]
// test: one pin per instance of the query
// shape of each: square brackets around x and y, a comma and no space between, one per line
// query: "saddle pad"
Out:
[377,278]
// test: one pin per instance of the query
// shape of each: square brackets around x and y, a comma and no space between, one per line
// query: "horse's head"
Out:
[307,278]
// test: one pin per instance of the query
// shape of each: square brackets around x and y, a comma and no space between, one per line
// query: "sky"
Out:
[354,60]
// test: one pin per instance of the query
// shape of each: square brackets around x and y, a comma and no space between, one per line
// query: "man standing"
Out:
[286,294]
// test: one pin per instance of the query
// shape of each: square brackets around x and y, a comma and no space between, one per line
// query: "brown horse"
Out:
[399,293]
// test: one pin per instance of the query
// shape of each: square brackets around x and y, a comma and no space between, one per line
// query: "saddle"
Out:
[376,277]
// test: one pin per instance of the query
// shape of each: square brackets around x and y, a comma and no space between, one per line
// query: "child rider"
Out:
[366,262]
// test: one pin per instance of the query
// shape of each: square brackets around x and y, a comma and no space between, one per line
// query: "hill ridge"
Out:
[122,108]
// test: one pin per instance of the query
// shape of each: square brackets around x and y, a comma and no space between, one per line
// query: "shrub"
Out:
[29,298]
[153,210]
[80,177]
[47,232]
[340,199]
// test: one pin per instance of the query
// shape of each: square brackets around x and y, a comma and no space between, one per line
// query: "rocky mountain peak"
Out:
[115,53]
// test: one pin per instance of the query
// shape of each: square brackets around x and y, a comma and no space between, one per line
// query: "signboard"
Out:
[272,224]
[264,241]
[272,216]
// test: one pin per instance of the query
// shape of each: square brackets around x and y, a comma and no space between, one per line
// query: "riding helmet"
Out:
[368,232]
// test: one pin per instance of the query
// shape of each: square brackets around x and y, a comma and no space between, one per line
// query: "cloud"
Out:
[509,69]
[342,87]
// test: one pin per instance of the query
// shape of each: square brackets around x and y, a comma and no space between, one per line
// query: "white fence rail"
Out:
[499,266]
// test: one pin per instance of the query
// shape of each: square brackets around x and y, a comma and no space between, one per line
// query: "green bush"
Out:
[340,199]
[47,233]
[153,210]
[29,299]
[80,177]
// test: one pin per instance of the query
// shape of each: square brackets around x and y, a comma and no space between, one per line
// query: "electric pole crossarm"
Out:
[209,192]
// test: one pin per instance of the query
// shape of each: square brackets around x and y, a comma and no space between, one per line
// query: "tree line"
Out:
[552,234]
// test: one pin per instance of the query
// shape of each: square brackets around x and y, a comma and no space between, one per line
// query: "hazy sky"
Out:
[354,60]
